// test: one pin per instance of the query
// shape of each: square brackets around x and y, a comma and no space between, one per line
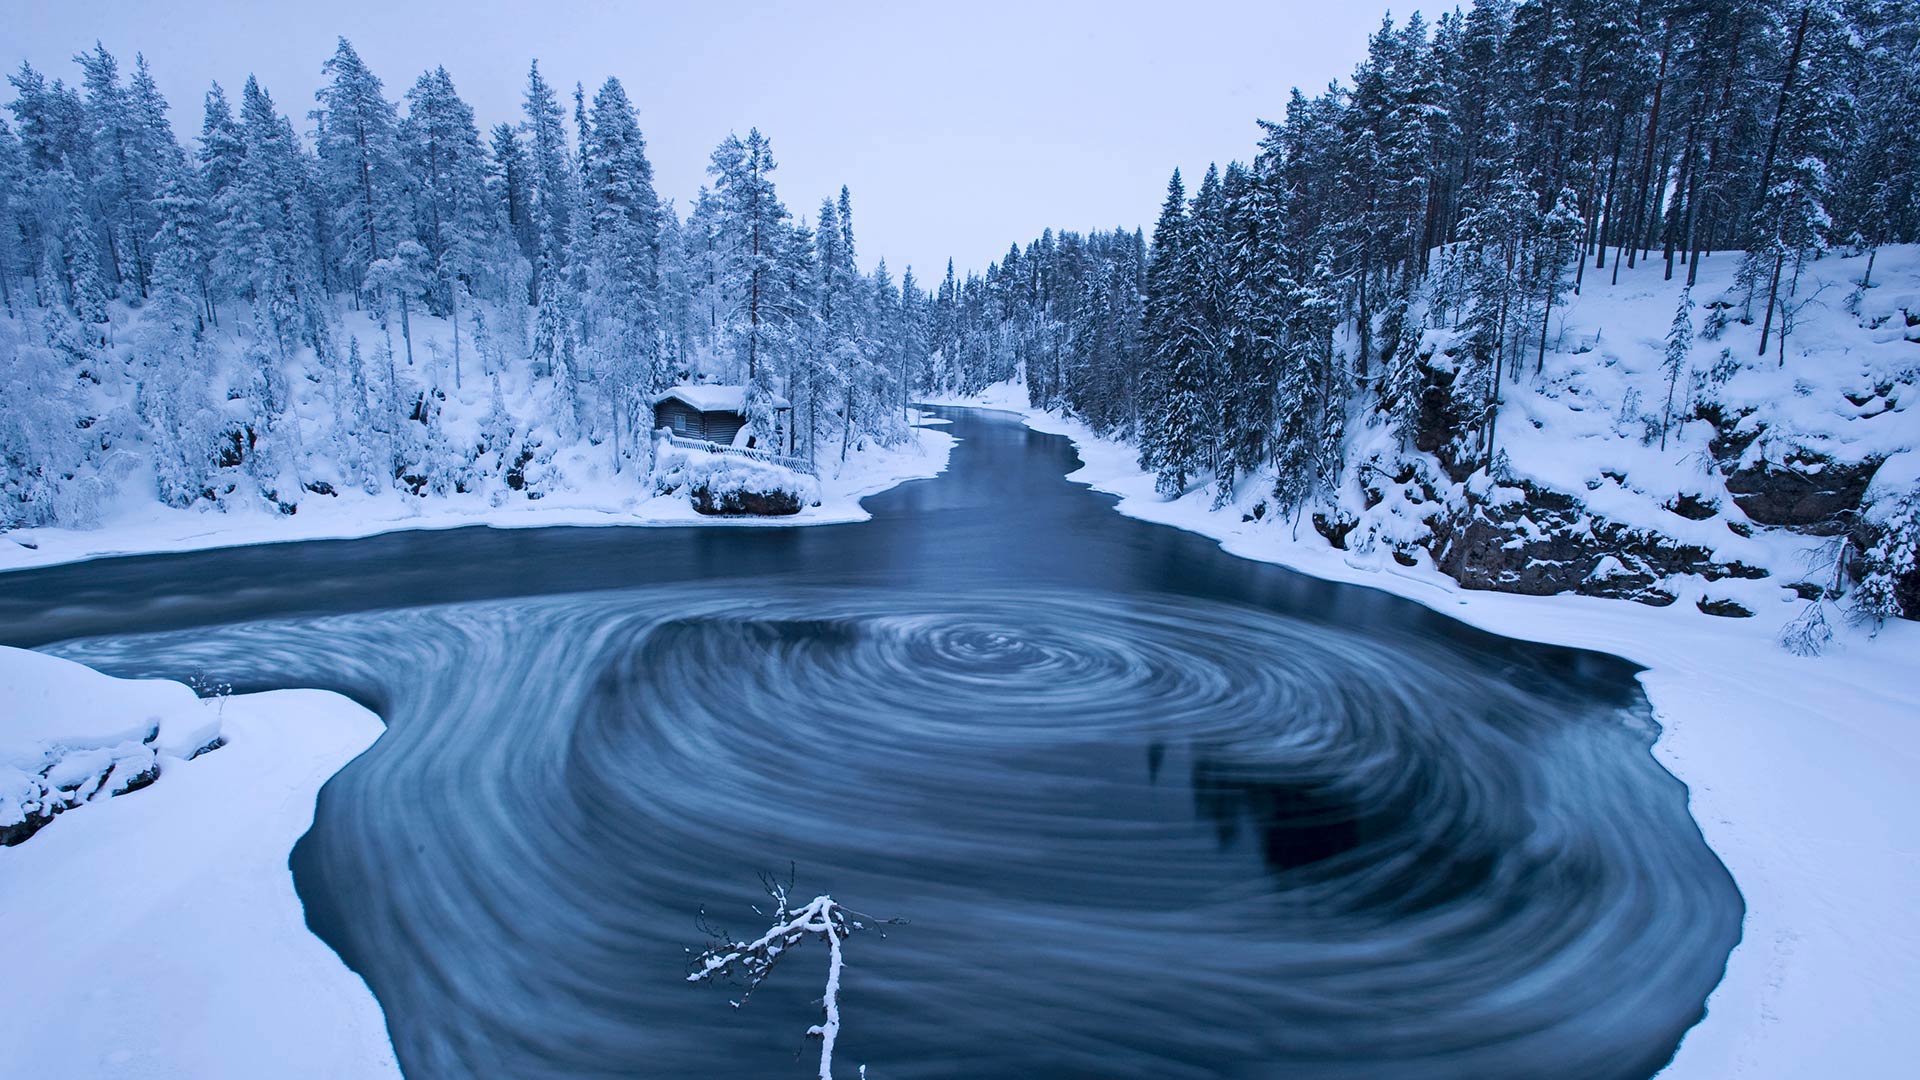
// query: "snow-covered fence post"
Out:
[821,917]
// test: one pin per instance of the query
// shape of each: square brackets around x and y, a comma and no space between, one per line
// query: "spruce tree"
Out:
[360,170]
[1679,346]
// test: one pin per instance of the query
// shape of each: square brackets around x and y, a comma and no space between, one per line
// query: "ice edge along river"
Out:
[200,964]
[1799,772]
[145,527]
[1802,774]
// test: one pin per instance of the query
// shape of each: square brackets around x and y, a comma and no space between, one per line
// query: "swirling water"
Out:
[1152,811]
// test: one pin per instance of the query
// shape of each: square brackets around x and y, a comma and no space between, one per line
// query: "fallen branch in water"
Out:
[820,917]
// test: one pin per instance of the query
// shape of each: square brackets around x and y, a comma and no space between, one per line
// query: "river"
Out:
[1149,809]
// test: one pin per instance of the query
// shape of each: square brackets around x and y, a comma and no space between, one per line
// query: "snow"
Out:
[66,745]
[593,495]
[1801,773]
[726,477]
[714,397]
[158,934]
[570,479]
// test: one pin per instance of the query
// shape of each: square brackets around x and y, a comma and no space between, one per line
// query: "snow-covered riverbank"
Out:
[1800,770]
[158,934]
[137,525]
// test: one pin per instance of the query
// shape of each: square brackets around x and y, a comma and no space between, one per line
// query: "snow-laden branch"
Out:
[820,917]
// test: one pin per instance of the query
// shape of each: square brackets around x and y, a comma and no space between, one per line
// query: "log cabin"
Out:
[716,413]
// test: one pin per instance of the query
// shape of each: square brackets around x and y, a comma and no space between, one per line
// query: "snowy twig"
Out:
[823,917]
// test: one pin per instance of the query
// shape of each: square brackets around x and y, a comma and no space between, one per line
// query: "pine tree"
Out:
[1892,558]
[1177,422]
[122,183]
[1790,219]
[510,181]
[87,291]
[360,170]
[16,228]
[623,260]
[749,225]
[552,182]
[1679,346]
[265,216]
[454,216]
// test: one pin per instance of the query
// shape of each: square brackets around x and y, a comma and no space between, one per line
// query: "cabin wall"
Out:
[721,427]
[690,423]
[684,420]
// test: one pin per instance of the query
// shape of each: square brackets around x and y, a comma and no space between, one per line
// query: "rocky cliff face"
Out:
[1806,492]
[1540,542]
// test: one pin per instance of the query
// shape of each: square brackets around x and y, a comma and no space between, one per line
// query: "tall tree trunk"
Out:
[1779,114]
[453,320]
[1653,132]
[406,329]
[1773,289]
[1613,173]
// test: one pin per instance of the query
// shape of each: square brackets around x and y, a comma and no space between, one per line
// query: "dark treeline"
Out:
[191,299]
[1474,172]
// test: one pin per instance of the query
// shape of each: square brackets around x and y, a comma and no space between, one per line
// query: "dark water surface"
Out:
[1152,810]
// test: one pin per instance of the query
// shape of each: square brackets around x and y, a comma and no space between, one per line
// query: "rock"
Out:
[1549,542]
[1692,507]
[735,501]
[20,831]
[1807,492]
[1334,528]
[1730,439]
[1726,609]
[517,472]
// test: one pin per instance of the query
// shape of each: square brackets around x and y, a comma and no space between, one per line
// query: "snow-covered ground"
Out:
[573,473]
[201,965]
[589,494]
[1802,773]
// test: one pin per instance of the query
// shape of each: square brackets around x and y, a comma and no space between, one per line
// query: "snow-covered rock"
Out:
[72,735]
[733,485]
[159,934]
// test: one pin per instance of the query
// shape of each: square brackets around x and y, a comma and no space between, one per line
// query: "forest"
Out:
[196,302]
[1390,261]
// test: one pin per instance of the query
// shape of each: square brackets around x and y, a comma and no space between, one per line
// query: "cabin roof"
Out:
[714,397]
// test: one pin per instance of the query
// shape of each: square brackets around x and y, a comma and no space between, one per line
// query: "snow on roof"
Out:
[715,397]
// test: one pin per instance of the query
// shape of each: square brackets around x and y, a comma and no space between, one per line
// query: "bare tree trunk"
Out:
[1773,289]
[1646,168]
[1780,111]
[1606,209]
[453,318]
[406,329]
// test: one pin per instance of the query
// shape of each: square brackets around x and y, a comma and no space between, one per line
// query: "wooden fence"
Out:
[799,465]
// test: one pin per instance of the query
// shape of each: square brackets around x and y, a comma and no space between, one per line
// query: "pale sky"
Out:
[960,128]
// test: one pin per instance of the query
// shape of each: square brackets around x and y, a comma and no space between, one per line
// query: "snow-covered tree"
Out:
[1679,347]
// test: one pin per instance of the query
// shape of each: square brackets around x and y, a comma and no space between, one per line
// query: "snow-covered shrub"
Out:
[1808,634]
[1890,553]
[43,442]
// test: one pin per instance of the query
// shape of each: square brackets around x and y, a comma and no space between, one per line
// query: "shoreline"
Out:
[167,938]
[150,529]
[1798,772]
